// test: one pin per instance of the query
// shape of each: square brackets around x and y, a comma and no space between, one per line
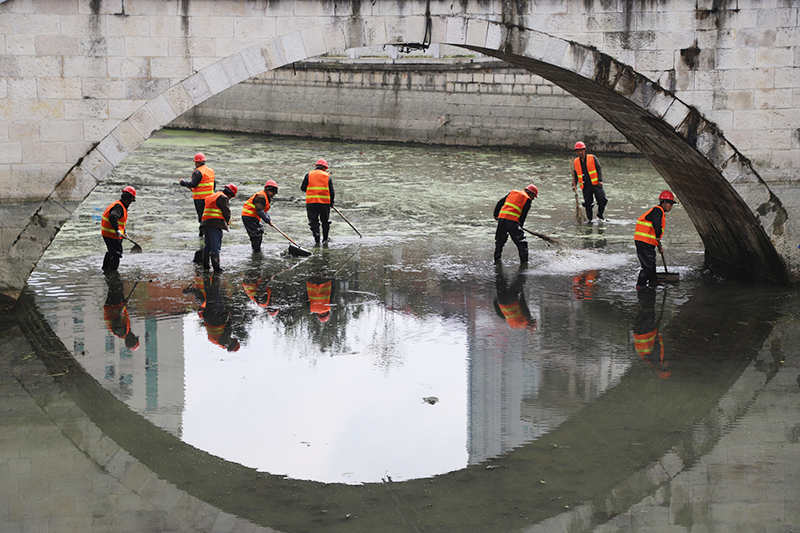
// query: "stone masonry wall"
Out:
[472,102]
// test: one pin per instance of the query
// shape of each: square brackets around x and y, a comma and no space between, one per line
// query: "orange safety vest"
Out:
[515,203]
[249,207]
[317,191]
[211,210]
[590,166]
[214,332]
[105,224]
[319,297]
[206,185]
[645,231]
[514,315]
[644,343]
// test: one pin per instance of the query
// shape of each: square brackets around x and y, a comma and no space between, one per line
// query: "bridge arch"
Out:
[713,180]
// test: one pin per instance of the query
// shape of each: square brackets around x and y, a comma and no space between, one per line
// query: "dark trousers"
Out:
[200,206]
[599,194]
[647,258]
[254,231]
[506,228]
[213,240]
[319,215]
[113,255]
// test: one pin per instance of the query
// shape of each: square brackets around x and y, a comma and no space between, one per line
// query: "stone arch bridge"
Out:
[707,90]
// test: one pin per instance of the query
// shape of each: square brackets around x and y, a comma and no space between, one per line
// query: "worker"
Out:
[510,213]
[510,303]
[647,236]
[202,185]
[215,219]
[254,210]
[318,187]
[112,228]
[587,173]
[115,312]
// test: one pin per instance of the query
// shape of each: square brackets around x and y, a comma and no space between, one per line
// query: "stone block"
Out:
[23,131]
[740,58]
[112,150]
[456,31]
[37,152]
[477,31]
[215,79]
[85,109]
[97,165]
[169,67]
[196,87]
[313,43]
[751,119]
[128,136]
[99,46]
[99,88]
[293,48]
[128,67]
[79,67]
[555,52]
[35,67]
[57,45]
[253,60]
[128,26]
[147,46]
[11,153]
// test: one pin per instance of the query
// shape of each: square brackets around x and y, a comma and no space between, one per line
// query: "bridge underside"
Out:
[735,240]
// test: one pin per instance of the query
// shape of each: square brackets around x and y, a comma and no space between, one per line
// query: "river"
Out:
[417,402]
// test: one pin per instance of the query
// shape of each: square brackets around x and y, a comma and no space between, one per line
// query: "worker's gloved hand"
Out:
[660,249]
[120,234]
[183,183]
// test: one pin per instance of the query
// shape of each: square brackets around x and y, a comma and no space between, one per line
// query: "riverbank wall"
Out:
[449,101]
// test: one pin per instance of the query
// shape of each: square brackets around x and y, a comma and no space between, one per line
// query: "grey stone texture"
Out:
[708,93]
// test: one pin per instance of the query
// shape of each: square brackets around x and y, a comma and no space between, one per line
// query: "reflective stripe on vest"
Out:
[513,315]
[590,167]
[317,191]
[645,342]
[645,231]
[249,207]
[206,185]
[211,210]
[105,224]
[513,206]
[319,297]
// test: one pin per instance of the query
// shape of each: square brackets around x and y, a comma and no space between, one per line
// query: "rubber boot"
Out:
[256,244]
[206,258]
[600,210]
[498,253]
[316,237]
[215,263]
[522,248]
[325,229]
[589,214]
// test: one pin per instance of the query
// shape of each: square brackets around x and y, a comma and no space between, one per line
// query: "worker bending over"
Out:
[254,210]
[647,236]
[510,213]
[112,228]
[215,219]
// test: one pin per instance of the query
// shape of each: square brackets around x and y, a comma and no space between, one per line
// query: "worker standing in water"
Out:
[318,187]
[201,184]
[215,219]
[254,210]
[587,173]
[647,237]
[510,213]
[112,228]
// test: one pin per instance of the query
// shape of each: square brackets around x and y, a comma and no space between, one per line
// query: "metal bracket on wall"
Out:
[405,48]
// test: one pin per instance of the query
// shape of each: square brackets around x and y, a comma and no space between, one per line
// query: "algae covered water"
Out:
[432,364]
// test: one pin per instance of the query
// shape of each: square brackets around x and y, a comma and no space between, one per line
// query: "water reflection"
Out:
[547,379]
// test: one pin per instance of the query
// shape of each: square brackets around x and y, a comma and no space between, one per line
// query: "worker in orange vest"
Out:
[256,209]
[215,219]
[112,228]
[647,236]
[319,299]
[202,185]
[318,187]
[510,213]
[587,173]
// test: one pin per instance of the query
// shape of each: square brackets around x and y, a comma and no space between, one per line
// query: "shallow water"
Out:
[416,373]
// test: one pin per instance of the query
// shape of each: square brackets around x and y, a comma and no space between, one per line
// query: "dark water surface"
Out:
[416,405]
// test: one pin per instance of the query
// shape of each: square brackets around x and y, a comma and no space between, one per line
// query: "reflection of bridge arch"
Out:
[609,455]
[715,182]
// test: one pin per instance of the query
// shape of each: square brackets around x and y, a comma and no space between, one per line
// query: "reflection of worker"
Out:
[216,217]
[319,298]
[510,213]
[254,210]
[510,301]
[647,236]
[115,312]
[318,187]
[583,285]
[112,228]
[216,315]
[259,290]
[587,173]
[201,184]
[646,336]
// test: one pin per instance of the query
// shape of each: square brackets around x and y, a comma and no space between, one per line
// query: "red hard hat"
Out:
[130,190]
[273,311]
[666,195]
[270,183]
[233,188]
[324,317]
[199,157]
[579,145]
[321,163]
[534,189]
